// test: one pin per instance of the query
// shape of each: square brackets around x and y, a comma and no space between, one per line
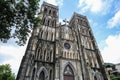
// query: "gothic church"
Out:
[62,52]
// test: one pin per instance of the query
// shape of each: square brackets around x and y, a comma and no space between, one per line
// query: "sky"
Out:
[104,19]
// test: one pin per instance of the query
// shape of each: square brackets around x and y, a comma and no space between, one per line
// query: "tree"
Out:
[17,19]
[6,73]
[113,77]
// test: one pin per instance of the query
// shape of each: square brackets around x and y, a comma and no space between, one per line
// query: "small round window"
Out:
[67,45]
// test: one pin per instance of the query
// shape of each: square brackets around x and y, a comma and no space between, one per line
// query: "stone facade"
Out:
[62,52]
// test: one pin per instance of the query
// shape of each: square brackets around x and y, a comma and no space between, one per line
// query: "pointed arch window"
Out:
[42,76]
[52,37]
[46,35]
[54,13]
[64,53]
[37,53]
[49,12]
[41,34]
[50,75]
[51,55]
[40,55]
[45,10]
[54,23]
[68,73]
[45,54]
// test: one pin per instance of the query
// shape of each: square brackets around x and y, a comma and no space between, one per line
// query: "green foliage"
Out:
[6,19]
[18,16]
[6,73]
[115,77]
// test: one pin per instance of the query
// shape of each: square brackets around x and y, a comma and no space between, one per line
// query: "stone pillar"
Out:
[57,71]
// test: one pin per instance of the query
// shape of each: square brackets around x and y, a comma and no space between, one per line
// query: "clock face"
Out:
[67,45]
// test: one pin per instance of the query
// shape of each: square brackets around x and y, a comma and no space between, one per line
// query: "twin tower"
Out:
[62,52]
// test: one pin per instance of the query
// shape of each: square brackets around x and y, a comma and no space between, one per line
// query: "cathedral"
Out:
[58,51]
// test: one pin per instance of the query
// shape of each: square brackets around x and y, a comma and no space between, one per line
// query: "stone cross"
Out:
[65,21]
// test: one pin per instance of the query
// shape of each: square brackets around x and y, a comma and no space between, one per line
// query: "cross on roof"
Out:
[65,20]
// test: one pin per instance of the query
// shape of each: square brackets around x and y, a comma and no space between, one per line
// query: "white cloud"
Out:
[61,21]
[13,54]
[56,2]
[52,2]
[95,6]
[111,52]
[114,21]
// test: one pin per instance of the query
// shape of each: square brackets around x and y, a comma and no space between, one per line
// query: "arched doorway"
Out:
[98,76]
[68,73]
[95,78]
[42,76]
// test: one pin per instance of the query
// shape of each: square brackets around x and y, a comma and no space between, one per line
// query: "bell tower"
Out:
[44,62]
[49,15]
[39,61]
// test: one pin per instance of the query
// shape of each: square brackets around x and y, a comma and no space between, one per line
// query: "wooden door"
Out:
[68,77]
[68,73]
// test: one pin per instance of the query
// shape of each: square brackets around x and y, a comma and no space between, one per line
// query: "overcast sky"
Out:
[104,19]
